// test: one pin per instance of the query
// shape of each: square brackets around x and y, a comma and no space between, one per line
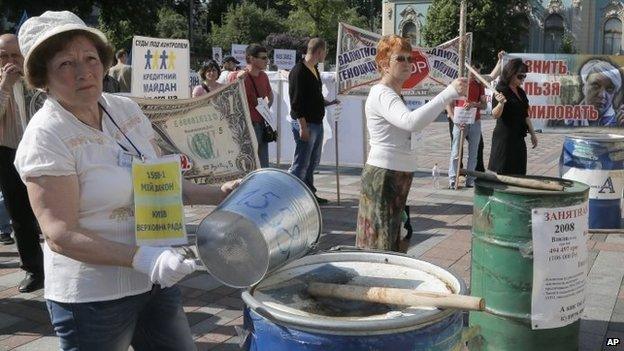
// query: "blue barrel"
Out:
[598,161]
[281,316]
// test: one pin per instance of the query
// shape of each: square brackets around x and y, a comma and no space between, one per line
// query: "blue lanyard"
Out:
[124,134]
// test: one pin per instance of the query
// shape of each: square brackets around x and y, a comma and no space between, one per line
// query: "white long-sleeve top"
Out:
[390,125]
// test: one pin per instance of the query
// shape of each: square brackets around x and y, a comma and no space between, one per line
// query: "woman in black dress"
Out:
[511,110]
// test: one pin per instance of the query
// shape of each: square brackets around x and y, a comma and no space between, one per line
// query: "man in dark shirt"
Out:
[307,109]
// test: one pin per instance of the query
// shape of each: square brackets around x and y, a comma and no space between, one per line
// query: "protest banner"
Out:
[160,68]
[194,80]
[213,131]
[217,54]
[238,52]
[574,91]
[284,59]
[432,69]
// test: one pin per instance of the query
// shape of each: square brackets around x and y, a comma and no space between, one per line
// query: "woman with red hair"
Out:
[387,175]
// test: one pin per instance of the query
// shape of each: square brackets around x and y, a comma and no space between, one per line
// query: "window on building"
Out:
[612,37]
[410,31]
[553,33]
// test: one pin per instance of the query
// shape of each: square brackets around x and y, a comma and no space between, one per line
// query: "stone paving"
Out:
[442,222]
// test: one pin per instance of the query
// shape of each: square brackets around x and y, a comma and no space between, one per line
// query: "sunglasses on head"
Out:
[520,76]
[402,58]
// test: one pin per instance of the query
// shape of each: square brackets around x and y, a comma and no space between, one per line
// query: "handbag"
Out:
[269,135]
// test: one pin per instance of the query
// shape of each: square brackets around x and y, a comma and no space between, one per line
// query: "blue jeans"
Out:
[307,153]
[150,321]
[263,146]
[5,221]
[472,132]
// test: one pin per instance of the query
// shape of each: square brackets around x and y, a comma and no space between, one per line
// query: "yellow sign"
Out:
[158,207]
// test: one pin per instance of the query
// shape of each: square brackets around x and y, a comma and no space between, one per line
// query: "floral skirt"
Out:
[382,200]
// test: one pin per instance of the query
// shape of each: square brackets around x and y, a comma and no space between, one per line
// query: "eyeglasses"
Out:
[521,76]
[262,57]
[402,58]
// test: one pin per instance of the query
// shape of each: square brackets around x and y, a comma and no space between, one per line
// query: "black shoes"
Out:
[5,239]
[320,200]
[31,282]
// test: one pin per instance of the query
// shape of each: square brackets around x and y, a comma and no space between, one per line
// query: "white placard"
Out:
[265,111]
[238,52]
[160,68]
[603,184]
[559,265]
[217,54]
[194,80]
[284,59]
[463,115]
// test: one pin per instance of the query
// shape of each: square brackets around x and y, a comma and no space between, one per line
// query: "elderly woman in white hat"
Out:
[103,292]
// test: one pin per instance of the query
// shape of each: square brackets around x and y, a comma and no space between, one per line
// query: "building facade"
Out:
[554,26]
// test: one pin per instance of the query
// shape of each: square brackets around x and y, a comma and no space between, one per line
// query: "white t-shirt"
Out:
[223,77]
[391,124]
[56,143]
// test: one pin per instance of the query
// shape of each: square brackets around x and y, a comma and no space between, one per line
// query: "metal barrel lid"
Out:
[570,186]
[596,137]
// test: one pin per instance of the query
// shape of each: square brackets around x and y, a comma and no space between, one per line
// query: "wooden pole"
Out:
[394,296]
[278,145]
[462,73]
[337,163]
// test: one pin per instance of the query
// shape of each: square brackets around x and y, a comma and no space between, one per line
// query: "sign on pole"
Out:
[238,52]
[284,59]
[217,54]
[160,68]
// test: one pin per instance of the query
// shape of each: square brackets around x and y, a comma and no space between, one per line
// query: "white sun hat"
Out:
[36,30]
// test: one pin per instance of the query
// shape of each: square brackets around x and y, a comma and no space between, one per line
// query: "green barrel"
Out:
[502,266]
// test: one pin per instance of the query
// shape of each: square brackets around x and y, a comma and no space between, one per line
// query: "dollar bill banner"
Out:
[213,131]
[574,92]
[433,69]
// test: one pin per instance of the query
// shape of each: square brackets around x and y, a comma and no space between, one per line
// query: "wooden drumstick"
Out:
[404,297]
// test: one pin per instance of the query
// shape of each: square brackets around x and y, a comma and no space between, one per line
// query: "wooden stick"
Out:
[480,77]
[541,184]
[461,155]
[404,297]
[337,163]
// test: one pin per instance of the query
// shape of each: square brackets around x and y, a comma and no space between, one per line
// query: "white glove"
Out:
[163,265]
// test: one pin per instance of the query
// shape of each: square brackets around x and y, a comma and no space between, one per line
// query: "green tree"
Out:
[171,24]
[245,24]
[12,9]
[320,18]
[120,22]
[485,18]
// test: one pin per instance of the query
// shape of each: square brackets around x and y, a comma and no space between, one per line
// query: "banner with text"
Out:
[160,68]
[574,91]
[284,59]
[214,131]
[432,69]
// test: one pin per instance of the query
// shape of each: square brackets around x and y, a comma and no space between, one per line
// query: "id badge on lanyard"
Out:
[158,208]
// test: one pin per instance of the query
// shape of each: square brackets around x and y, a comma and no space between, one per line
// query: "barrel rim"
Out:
[610,137]
[332,325]
[511,189]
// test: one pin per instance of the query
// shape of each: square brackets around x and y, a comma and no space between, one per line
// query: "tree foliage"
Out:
[320,18]
[495,25]
[129,18]
[246,23]
[171,24]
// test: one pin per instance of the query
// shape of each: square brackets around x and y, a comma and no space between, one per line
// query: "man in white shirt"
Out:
[230,64]
[122,72]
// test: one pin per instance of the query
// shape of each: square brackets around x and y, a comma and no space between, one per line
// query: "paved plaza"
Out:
[442,222]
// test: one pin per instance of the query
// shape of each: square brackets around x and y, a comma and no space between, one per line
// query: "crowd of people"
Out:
[64,169]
